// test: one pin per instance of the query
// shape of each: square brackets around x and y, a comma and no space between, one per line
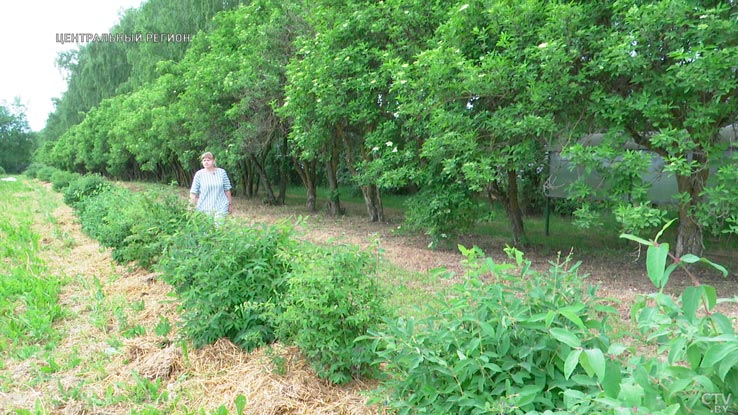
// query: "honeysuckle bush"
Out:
[333,299]
[84,187]
[136,225]
[61,179]
[697,347]
[106,216]
[231,279]
[509,340]
[247,284]
[158,216]
[516,341]
[44,173]
[32,170]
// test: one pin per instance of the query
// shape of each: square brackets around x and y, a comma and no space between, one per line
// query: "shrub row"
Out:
[507,340]
[253,285]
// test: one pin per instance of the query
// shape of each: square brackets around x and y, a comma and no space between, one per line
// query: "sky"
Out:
[28,47]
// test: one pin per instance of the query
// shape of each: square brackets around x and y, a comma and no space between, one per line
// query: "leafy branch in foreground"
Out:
[657,254]
[516,341]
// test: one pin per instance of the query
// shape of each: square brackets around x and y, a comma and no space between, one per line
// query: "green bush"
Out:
[332,301]
[504,342]
[44,173]
[538,343]
[157,218]
[32,170]
[695,367]
[230,279]
[61,179]
[109,215]
[2,170]
[442,212]
[84,187]
[136,225]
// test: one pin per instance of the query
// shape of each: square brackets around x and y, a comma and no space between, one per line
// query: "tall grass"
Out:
[28,294]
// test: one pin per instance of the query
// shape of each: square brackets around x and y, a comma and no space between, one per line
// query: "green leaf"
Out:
[612,379]
[718,352]
[631,395]
[616,349]
[722,323]
[655,264]
[710,296]
[549,318]
[677,349]
[679,385]
[571,362]
[691,259]
[527,394]
[661,232]
[240,404]
[636,239]
[667,272]
[566,337]
[729,362]
[570,313]
[573,397]
[595,360]
[691,301]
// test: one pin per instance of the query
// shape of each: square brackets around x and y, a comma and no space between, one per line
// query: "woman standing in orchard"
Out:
[211,189]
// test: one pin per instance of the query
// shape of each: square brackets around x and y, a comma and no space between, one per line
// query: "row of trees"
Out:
[451,100]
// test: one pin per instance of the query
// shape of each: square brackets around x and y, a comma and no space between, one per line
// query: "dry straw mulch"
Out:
[96,362]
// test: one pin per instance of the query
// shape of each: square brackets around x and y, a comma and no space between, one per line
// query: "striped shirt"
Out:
[210,188]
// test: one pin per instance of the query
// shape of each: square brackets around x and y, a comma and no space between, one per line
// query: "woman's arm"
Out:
[195,189]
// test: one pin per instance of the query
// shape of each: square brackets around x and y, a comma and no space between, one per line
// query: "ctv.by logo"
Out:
[719,403]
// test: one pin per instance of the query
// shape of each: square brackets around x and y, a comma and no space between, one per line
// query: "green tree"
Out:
[666,78]
[165,17]
[102,69]
[17,141]
[234,79]
[502,79]
[339,90]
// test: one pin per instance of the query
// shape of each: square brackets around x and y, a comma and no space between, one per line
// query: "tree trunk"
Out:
[334,202]
[247,177]
[689,233]
[271,199]
[373,202]
[307,172]
[509,199]
[283,173]
[372,194]
[331,167]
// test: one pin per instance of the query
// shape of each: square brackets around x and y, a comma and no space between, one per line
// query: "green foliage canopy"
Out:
[17,142]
